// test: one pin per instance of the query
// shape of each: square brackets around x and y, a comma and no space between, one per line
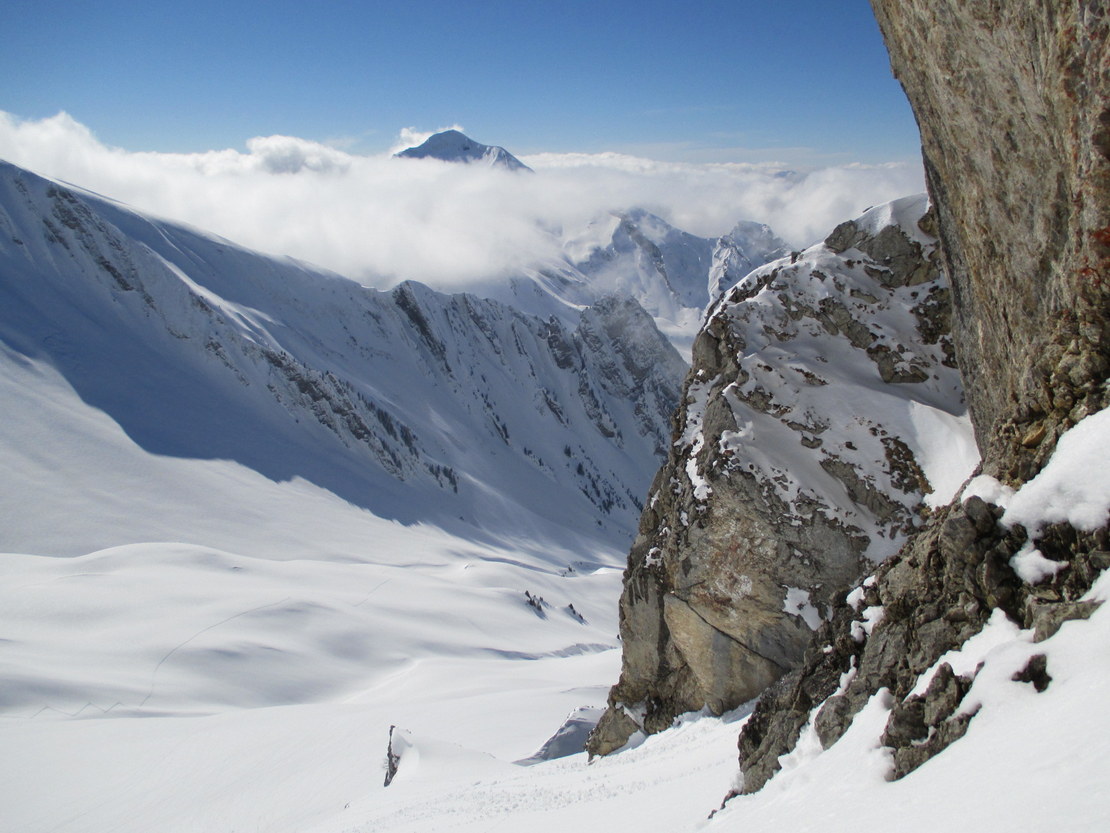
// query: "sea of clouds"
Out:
[381,220]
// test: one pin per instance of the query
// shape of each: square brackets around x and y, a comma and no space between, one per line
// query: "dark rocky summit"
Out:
[1012,102]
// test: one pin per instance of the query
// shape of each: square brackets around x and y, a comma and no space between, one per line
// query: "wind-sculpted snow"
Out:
[418,405]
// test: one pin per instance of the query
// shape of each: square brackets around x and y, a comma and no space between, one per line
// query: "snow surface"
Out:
[1074,486]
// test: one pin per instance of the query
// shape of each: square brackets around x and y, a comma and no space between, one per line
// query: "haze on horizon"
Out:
[274,127]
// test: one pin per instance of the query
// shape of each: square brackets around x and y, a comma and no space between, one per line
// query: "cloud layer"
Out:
[381,220]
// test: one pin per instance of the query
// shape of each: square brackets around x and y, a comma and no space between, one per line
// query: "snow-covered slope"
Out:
[454,146]
[417,405]
[193,438]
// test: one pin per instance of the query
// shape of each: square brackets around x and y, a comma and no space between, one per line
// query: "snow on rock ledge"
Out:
[823,414]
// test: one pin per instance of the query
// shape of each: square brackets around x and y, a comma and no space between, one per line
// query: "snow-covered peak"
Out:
[748,246]
[666,269]
[455,146]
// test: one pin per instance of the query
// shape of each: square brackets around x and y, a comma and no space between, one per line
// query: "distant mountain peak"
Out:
[455,146]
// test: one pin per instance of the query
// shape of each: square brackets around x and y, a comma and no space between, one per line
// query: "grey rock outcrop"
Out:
[796,462]
[1012,102]
[934,595]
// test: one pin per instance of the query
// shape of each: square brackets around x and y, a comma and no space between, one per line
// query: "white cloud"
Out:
[381,220]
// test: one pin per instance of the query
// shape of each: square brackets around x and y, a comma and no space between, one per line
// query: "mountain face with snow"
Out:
[632,253]
[454,146]
[673,274]
[819,418]
[417,405]
[977,609]
[748,246]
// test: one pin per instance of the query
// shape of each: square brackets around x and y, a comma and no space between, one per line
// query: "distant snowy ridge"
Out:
[673,274]
[628,252]
[454,146]
[415,404]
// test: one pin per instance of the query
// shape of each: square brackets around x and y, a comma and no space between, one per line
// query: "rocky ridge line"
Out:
[796,461]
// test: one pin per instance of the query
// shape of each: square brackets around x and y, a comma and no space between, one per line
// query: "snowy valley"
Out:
[273,538]
[246,494]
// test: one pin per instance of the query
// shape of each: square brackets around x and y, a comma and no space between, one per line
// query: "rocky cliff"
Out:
[739,540]
[822,389]
[1011,100]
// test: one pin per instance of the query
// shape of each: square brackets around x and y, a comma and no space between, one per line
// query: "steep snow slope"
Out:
[190,435]
[269,653]
[417,405]
[454,146]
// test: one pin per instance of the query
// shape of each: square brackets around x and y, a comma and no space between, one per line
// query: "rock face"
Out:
[1012,104]
[1011,99]
[802,452]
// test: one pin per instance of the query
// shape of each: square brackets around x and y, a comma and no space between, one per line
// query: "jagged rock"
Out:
[935,594]
[1035,672]
[781,484]
[1012,104]
[1046,617]
[1011,99]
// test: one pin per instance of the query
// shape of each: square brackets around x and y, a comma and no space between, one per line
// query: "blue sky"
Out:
[804,82]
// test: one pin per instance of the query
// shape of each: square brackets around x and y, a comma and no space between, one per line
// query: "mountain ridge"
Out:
[199,348]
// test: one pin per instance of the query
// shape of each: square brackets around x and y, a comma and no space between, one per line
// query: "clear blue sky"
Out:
[700,81]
